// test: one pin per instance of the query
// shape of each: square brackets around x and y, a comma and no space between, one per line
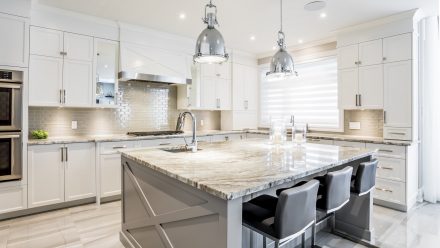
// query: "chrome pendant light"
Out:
[281,65]
[210,46]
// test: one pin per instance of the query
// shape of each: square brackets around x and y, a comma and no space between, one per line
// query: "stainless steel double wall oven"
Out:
[11,103]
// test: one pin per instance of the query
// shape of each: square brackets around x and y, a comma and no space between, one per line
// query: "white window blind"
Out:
[312,96]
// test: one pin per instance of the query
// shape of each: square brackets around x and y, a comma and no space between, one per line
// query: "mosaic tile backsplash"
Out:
[371,122]
[142,107]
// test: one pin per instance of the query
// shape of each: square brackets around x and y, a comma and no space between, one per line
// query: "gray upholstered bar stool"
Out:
[365,179]
[333,194]
[284,218]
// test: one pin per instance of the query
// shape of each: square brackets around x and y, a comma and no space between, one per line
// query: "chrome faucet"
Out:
[181,124]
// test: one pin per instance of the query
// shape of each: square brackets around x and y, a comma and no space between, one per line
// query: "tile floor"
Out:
[98,226]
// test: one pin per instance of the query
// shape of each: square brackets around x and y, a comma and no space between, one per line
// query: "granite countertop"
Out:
[230,170]
[344,137]
[122,137]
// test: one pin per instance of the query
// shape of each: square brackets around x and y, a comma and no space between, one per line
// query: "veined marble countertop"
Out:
[233,169]
[344,137]
[122,137]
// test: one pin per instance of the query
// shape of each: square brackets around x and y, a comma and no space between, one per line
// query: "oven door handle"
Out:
[10,136]
[10,86]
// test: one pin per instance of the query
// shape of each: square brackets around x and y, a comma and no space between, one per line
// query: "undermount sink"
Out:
[154,133]
[178,149]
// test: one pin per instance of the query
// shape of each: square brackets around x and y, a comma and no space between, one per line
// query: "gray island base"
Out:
[194,200]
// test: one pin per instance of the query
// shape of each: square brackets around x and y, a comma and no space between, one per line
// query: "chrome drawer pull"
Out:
[397,133]
[384,190]
[382,150]
[165,144]
[385,168]
[119,147]
[315,140]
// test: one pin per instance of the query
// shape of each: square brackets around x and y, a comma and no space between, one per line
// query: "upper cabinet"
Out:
[14,45]
[244,87]
[348,56]
[106,72]
[54,54]
[397,48]
[362,54]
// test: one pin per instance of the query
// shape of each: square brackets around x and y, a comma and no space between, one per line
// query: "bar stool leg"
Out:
[303,240]
[313,233]
[264,242]
[277,244]
[333,222]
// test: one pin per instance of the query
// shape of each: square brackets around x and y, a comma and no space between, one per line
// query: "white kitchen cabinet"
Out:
[78,47]
[110,174]
[46,42]
[208,97]
[16,7]
[398,94]
[59,173]
[16,199]
[14,42]
[397,48]
[45,175]
[223,94]
[244,87]
[78,83]
[61,72]
[348,88]
[222,70]
[371,87]
[45,80]
[348,56]
[106,68]
[80,171]
[228,137]
[370,53]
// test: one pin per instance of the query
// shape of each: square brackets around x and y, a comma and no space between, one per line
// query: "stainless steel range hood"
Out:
[125,76]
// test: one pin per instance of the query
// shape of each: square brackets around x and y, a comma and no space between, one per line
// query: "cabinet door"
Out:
[370,53]
[208,99]
[14,40]
[46,42]
[223,94]
[251,89]
[110,175]
[208,70]
[238,87]
[371,86]
[16,199]
[397,48]
[45,80]
[78,47]
[398,94]
[45,175]
[348,88]
[80,171]
[348,56]
[78,83]
[223,70]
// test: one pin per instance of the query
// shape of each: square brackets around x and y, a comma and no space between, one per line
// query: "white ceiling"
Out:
[241,19]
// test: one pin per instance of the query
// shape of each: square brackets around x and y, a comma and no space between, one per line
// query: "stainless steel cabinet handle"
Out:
[64,96]
[62,154]
[384,117]
[357,100]
[384,150]
[227,138]
[246,104]
[355,62]
[360,100]
[385,190]
[397,133]
[165,144]
[218,102]
[11,136]
[384,58]
[119,147]
[359,62]
[317,140]
[67,154]
[385,168]
[61,96]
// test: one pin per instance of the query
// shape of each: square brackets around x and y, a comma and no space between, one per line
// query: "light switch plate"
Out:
[202,123]
[74,125]
[354,125]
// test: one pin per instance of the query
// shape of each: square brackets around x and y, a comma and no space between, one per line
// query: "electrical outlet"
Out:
[74,125]
[202,123]
[354,125]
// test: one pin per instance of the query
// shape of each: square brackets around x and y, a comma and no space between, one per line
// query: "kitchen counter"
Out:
[234,169]
[344,137]
[200,195]
[122,137]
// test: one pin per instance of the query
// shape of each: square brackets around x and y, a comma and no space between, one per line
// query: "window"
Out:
[312,96]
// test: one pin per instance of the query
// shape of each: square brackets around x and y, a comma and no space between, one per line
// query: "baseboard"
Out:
[391,205]
[110,198]
[43,209]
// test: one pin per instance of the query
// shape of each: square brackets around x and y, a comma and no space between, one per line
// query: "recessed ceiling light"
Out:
[323,15]
[315,5]
[300,41]
[182,16]
[252,37]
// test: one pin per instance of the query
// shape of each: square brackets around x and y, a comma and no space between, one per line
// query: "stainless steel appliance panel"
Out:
[10,156]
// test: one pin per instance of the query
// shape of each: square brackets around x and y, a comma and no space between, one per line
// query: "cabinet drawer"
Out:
[164,142]
[390,191]
[113,147]
[320,141]
[16,199]
[391,168]
[257,136]
[227,137]
[389,150]
[396,133]
[349,144]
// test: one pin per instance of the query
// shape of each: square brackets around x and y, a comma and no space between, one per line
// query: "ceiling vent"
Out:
[315,5]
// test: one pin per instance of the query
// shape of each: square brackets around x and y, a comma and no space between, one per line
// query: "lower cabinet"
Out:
[110,174]
[16,199]
[228,137]
[60,173]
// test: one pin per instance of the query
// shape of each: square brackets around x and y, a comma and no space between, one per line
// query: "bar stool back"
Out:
[365,178]
[334,190]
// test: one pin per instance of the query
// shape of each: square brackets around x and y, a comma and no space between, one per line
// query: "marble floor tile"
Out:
[94,226]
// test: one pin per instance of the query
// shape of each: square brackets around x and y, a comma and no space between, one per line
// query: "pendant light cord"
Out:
[281,16]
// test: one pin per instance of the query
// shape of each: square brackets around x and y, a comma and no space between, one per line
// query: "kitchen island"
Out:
[174,198]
